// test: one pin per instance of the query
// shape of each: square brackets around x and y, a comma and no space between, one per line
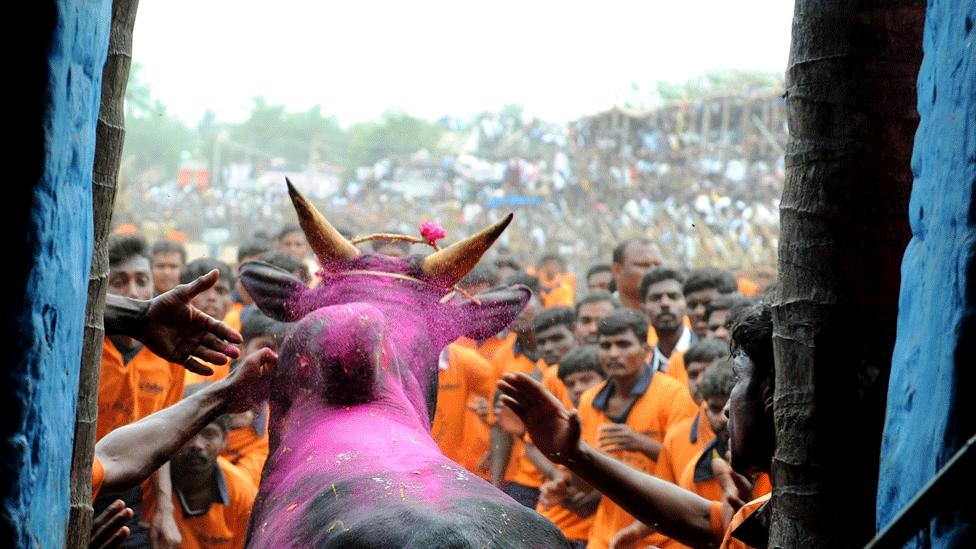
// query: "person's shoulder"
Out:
[665,384]
[681,428]
[586,399]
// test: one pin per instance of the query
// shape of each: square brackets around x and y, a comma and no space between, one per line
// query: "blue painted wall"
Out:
[49,206]
[935,355]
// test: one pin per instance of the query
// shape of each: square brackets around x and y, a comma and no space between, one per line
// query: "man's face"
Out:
[294,243]
[715,412]
[215,301]
[578,382]
[132,278]
[523,322]
[599,280]
[550,268]
[716,325]
[200,453]
[665,305]
[695,371]
[696,303]
[750,414]
[622,355]
[588,318]
[166,270]
[554,342]
[637,259]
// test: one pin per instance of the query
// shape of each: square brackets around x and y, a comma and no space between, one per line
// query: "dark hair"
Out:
[726,303]
[596,296]
[717,381]
[580,359]
[555,316]
[287,261]
[507,262]
[658,274]
[482,273]
[252,248]
[123,247]
[752,335]
[167,246]
[288,229]
[620,321]
[199,267]
[707,350]
[620,249]
[525,279]
[223,420]
[708,278]
[598,268]
[256,324]
[551,257]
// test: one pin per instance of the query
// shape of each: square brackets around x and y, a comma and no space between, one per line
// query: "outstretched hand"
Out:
[178,331]
[555,430]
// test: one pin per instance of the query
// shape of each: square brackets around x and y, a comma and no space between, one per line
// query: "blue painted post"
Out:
[49,211]
[932,373]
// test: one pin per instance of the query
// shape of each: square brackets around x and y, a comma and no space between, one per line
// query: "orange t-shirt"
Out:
[661,403]
[681,445]
[224,525]
[676,367]
[467,375]
[743,514]
[98,477]
[697,477]
[233,316]
[130,392]
[551,381]
[248,450]
[560,295]
[747,287]
[509,358]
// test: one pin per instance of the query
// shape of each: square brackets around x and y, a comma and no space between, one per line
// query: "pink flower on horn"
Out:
[432,232]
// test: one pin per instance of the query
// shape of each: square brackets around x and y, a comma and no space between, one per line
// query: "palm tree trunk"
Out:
[110,133]
[850,89]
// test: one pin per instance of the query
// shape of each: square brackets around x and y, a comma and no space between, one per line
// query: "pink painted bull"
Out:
[352,462]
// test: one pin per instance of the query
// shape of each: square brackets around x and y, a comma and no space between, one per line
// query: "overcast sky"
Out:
[560,60]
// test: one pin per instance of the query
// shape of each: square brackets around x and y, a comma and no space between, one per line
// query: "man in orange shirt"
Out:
[168,257]
[558,288]
[664,304]
[133,381]
[573,503]
[700,288]
[215,301]
[678,513]
[212,498]
[554,338]
[511,469]
[628,416]
[463,374]
[589,311]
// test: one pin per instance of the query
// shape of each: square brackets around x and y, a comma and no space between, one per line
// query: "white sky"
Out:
[358,58]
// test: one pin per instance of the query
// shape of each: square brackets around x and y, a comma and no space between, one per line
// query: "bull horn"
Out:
[329,246]
[451,264]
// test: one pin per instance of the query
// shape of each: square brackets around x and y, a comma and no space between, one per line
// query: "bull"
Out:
[352,463]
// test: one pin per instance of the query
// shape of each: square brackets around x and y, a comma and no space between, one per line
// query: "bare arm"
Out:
[131,453]
[675,512]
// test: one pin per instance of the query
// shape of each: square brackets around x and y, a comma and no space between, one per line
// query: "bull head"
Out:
[374,326]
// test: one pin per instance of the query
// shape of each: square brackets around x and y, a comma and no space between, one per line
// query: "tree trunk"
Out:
[850,89]
[110,133]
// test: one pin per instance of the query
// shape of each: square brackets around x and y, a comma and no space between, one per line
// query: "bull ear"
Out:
[275,291]
[498,308]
